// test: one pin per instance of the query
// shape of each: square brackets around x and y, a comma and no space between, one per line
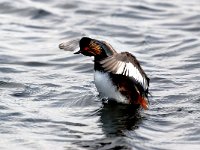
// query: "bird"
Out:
[117,76]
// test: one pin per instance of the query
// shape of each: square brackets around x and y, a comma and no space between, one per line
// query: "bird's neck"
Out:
[106,53]
[97,65]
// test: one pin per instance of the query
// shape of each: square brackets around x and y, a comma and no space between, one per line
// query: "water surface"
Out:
[48,99]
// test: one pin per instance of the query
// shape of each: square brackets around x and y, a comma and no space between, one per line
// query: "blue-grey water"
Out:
[48,99]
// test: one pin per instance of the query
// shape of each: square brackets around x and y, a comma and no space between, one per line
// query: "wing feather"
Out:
[126,64]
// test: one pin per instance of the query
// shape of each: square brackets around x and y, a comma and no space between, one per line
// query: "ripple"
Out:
[9,84]
[84,68]
[36,64]
[27,91]
[9,116]
[40,13]
[9,70]
[86,12]
[147,8]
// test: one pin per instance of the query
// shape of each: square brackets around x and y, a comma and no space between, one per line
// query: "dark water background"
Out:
[47,96]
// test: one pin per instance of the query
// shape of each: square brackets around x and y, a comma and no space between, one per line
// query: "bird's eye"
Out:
[86,48]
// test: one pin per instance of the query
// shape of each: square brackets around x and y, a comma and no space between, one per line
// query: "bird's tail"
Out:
[143,101]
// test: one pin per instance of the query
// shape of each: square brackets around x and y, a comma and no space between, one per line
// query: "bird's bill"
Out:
[78,52]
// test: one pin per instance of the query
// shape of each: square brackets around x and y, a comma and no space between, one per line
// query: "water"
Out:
[48,99]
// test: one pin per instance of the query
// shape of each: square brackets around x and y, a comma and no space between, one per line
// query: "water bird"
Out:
[117,76]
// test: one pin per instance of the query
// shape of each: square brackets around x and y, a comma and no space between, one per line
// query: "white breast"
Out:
[106,88]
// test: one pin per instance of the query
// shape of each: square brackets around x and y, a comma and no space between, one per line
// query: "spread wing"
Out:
[71,45]
[126,64]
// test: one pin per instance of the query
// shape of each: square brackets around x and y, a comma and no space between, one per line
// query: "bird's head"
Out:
[92,47]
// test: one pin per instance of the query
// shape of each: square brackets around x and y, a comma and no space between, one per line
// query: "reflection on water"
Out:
[117,118]
[114,120]
[47,96]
